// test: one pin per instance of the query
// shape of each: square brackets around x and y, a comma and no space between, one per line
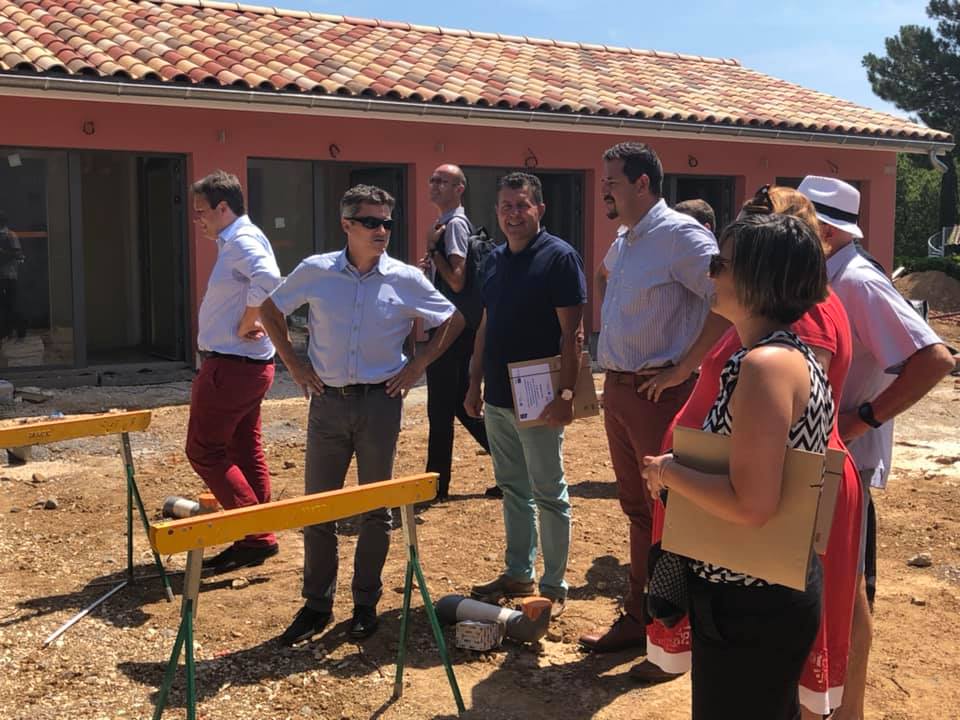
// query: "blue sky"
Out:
[816,43]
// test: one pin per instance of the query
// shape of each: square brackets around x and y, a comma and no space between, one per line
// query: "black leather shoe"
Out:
[307,623]
[364,622]
[238,556]
[493,492]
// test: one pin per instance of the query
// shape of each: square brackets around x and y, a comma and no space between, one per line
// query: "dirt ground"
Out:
[55,562]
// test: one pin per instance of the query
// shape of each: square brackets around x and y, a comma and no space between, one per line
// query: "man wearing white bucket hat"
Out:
[897,359]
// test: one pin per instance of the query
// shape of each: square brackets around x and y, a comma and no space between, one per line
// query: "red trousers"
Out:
[223,436]
[635,427]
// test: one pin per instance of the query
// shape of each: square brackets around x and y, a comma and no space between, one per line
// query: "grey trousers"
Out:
[366,423]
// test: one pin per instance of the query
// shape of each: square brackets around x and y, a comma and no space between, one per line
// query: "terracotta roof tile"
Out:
[229,44]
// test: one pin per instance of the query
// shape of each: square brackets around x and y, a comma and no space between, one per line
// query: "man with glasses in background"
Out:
[448,245]
[362,304]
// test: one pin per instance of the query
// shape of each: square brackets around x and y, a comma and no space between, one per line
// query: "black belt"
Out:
[236,358]
[353,390]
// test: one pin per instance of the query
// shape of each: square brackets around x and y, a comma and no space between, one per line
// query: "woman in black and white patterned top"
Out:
[750,637]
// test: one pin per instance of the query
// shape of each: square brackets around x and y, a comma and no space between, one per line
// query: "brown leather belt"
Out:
[634,378]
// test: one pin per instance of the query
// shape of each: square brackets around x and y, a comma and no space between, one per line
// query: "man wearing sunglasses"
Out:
[656,307]
[362,306]
[448,244]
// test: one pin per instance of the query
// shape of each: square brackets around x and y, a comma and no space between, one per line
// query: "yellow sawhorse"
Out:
[192,535]
[72,428]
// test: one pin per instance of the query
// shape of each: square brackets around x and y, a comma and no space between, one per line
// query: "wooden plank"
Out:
[70,428]
[175,536]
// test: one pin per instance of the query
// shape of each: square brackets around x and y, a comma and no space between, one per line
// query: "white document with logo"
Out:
[535,383]
[532,389]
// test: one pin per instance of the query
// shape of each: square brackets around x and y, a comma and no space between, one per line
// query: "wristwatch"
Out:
[865,412]
[566,394]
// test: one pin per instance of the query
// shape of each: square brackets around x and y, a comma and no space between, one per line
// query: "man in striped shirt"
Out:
[656,307]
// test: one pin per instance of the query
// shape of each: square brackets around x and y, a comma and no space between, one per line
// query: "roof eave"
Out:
[265,101]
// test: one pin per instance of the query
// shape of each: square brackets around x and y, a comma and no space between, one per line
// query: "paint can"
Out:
[180,507]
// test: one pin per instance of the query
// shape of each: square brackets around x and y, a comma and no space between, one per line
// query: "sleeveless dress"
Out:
[751,638]
[809,433]
[824,326]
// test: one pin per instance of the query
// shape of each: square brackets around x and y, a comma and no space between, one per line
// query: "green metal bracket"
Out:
[184,641]
[413,568]
[133,495]
[184,638]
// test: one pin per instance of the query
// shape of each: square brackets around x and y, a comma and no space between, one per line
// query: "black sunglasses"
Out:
[760,203]
[372,223]
[717,264]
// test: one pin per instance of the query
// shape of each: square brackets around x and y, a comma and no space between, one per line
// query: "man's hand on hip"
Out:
[250,327]
[851,426]
[306,377]
[400,384]
[660,380]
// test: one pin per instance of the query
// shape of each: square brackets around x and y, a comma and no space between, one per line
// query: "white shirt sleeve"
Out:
[693,246]
[886,323]
[291,293]
[251,259]
[425,301]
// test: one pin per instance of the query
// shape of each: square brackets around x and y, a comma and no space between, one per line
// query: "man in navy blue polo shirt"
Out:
[534,291]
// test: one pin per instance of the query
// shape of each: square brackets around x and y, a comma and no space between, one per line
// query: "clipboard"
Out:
[534,383]
[779,551]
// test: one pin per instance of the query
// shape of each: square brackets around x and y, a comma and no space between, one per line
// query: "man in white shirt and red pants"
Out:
[223,437]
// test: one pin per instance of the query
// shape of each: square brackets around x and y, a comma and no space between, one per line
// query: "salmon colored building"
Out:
[111,108]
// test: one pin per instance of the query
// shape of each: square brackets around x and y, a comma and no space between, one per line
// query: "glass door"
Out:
[161,228]
[36,264]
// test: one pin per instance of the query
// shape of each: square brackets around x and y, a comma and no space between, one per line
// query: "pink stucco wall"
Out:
[214,138]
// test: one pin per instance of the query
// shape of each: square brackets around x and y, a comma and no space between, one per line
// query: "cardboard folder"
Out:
[534,383]
[832,479]
[778,551]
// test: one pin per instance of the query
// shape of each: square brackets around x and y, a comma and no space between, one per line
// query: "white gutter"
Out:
[345,106]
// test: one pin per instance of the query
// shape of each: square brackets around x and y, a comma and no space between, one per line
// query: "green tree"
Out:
[921,74]
[917,217]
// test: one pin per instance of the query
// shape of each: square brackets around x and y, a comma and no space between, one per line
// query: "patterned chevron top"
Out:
[810,432]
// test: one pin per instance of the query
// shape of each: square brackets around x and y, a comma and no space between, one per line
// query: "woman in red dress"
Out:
[826,330]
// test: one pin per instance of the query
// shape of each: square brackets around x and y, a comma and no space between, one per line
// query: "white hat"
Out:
[837,203]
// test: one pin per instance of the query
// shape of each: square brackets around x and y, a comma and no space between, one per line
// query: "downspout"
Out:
[935,162]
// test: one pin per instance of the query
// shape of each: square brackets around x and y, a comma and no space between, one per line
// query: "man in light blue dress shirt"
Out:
[223,436]
[656,307]
[362,306]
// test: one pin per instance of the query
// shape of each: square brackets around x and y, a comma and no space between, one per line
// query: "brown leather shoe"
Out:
[650,673]
[625,633]
[503,587]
